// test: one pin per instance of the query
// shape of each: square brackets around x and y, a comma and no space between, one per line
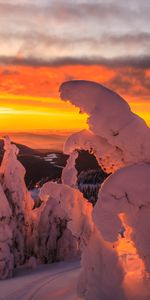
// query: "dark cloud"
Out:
[7,72]
[135,82]
[142,62]
[31,39]
[31,52]
[132,38]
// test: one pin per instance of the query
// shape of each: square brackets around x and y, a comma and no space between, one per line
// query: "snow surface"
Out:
[69,173]
[56,281]
[51,157]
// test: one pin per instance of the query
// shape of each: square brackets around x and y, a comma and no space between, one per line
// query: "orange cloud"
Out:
[45,81]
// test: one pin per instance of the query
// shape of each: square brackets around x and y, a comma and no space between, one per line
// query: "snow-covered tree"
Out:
[117,136]
[125,201]
[69,172]
[12,178]
[61,221]
[6,250]
[119,139]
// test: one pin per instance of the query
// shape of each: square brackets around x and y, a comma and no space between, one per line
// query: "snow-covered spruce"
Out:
[6,255]
[12,178]
[118,138]
[124,201]
[65,205]
[63,223]
[89,183]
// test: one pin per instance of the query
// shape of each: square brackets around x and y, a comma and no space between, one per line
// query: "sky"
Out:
[45,42]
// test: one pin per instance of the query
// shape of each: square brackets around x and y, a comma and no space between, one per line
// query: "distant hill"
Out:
[24,150]
[47,165]
[37,168]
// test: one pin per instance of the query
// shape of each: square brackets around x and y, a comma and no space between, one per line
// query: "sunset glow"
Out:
[24,95]
[36,57]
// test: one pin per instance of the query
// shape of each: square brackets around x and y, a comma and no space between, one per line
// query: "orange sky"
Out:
[44,43]
[29,98]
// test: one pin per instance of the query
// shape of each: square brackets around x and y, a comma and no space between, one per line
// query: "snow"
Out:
[55,281]
[128,192]
[72,206]
[112,125]
[114,267]
[109,157]
[6,258]
[69,173]
[61,167]
[51,157]
[101,275]
[12,179]
[54,241]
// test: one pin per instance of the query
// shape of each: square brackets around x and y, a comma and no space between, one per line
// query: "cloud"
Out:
[75,29]
[134,81]
[64,10]
[7,72]
[30,40]
[142,62]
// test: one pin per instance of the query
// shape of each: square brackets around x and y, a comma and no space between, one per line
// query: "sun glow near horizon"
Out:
[24,112]
[28,105]
[52,115]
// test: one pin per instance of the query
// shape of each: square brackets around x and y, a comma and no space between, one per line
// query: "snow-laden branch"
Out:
[111,122]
